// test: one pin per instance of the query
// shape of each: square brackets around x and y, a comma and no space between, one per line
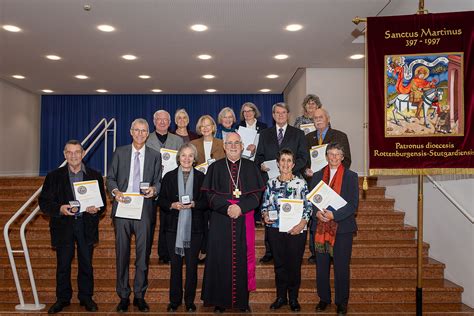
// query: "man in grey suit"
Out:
[131,165]
[161,138]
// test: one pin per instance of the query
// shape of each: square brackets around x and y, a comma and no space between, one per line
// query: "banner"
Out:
[421,94]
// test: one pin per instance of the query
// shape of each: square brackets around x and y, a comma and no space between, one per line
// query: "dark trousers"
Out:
[176,278]
[288,251]
[163,252]
[143,231]
[312,247]
[85,275]
[341,261]
[206,217]
[268,250]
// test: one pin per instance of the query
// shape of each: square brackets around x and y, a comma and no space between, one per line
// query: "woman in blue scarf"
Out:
[226,122]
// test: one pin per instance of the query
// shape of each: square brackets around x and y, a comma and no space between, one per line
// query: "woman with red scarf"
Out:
[334,230]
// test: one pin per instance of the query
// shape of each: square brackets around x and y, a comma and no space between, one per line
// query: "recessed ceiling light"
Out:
[199,27]
[129,57]
[204,57]
[18,77]
[272,76]
[280,56]
[53,57]
[357,56]
[265,90]
[144,77]
[293,27]
[105,28]
[209,76]
[156,90]
[47,91]
[82,77]
[211,90]
[102,90]
[11,28]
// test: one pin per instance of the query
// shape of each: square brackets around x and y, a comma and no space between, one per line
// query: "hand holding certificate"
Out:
[273,171]
[307,128]
[322,196]
[248,136]
[168,160]
[291,212]
[131,207]
[88,194]
[318,157]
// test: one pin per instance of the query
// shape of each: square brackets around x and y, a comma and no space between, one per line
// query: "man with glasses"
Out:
[72,226]
[161,138]
[234,187]
[274,139]
[135,168]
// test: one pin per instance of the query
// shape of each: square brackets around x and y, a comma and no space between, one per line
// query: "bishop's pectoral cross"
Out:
[237,193]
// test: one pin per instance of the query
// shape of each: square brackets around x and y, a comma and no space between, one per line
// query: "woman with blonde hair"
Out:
[226,120]
[208,147]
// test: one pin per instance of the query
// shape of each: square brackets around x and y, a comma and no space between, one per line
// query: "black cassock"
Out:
[229,273]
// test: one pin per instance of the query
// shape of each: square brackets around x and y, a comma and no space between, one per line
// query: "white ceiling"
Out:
[243,37]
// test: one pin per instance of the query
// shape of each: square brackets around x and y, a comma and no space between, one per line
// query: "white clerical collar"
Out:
[232,160]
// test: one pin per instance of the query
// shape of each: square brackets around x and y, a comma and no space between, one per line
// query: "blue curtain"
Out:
[65,117]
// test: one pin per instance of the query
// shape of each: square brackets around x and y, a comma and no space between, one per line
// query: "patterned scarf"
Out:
[325,236]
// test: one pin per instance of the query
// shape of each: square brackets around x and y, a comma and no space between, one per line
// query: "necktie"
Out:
[280,136]
[320,139]
[136,172]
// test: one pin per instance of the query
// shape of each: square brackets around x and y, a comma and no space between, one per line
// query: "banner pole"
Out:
[419,254]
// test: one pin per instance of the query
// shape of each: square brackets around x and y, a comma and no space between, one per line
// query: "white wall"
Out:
[19,131]
[449,233]
[341,91]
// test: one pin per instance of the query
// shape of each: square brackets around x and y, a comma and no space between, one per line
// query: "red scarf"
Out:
[325,236]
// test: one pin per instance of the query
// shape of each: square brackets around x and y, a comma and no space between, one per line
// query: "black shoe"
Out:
[312,259]
[89,305]
[164,260]
[172,307]
[341,309]
[190,307]
[279,302]
[246,309]
[321,307]
[295,306]
[266,258]
[141,304]
[58,306]
[123,305]
[219,309]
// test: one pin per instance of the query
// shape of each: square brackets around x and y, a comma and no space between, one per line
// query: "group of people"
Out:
[210,215]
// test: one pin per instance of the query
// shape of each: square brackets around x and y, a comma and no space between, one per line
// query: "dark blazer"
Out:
[332,135]
[217,149]
[294,139]
[119,170]
[170,193]
[260,126]
[345,216]
[57,191]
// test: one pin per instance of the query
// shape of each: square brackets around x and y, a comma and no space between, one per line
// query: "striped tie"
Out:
[280,136]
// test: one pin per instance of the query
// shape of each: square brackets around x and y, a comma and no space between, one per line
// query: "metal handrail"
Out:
[10,251]
[451,199]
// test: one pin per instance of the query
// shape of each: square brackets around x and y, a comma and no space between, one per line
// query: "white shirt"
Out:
[254,126]
[284,129]
[207,150]
[142,165]
[332,172]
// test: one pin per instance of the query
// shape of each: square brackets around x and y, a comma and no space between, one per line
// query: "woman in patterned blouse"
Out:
[287,247]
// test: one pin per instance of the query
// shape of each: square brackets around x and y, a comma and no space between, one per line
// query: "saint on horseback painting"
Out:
[424,95]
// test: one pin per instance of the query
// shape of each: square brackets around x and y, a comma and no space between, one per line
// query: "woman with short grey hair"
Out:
[310,103]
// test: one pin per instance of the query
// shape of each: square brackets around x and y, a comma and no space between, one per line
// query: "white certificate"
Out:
[307,128]
[202,167]
[248,136]
[322,196]
[168,160]
[291,212]
[132,207]
[274,171]
[88,194]
[318,157]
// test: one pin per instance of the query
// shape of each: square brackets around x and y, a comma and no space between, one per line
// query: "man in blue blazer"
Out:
[131,165]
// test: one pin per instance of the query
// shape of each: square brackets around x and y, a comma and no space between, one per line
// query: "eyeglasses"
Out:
[247,111]
[139,131]
[332,154]
[73,153]
[233,143]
